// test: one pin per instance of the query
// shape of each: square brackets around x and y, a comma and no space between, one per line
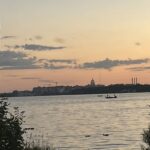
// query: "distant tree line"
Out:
[70,90]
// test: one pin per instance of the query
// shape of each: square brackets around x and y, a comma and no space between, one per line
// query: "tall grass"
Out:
[37,142]
[39,148]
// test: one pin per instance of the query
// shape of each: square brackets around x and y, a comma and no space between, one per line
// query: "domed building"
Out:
[92,82]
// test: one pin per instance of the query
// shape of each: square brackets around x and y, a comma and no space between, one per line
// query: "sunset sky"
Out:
[73,41]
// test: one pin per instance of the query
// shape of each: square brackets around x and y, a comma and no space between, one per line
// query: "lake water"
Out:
[78,122]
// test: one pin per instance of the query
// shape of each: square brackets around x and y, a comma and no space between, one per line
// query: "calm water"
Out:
[79,122]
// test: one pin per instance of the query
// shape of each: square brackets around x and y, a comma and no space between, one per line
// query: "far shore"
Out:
[79,90]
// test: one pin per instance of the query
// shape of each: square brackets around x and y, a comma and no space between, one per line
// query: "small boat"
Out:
[108,96]
[105,134]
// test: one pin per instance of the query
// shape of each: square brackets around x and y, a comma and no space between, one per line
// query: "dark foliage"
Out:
[146,139]
[11,132]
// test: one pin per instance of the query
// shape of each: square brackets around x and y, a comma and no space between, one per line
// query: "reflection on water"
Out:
[88,122]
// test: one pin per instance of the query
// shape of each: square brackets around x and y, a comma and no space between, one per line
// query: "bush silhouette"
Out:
[11,132]
[146,139]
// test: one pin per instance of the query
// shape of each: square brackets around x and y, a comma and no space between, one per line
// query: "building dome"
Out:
[92,82]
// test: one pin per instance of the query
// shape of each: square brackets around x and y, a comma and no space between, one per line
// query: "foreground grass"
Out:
[40,148]
[35,142]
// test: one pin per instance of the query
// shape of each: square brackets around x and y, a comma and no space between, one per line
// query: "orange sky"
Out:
[70,42]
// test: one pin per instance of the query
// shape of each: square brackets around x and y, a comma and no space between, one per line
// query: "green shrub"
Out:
[11,132]
[146,139]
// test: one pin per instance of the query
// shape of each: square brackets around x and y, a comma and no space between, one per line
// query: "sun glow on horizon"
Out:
[71,42]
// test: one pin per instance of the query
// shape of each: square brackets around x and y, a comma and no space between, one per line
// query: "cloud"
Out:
[17,60]
[58,63]
[67,61]
[109,64]
[62,61]
[10,60]
[139,68]
[138,44]
[59,40]
[36,47]
[38,37]
[12,75]
[55,67]
[30,78]
[8,37]
[45,81]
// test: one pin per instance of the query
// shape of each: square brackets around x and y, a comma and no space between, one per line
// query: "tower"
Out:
[134,81]
[92,82]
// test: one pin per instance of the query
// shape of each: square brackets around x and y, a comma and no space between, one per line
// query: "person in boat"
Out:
[111,96]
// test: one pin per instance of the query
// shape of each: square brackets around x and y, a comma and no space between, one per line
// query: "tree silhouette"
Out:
[11,132]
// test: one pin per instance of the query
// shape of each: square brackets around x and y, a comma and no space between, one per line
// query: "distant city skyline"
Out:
[70,42]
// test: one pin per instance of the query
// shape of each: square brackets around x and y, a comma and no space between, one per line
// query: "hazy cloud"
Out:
[30,78]
[138,44]
[38,37]
[139,68]
[7,37]
[30,39]
[36,47]
[108,63]
[12,76]
[45,81]
[8,46]
[59,40]
[62,61]
[58,63]
[17,60]
[67,61]
[54,67]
